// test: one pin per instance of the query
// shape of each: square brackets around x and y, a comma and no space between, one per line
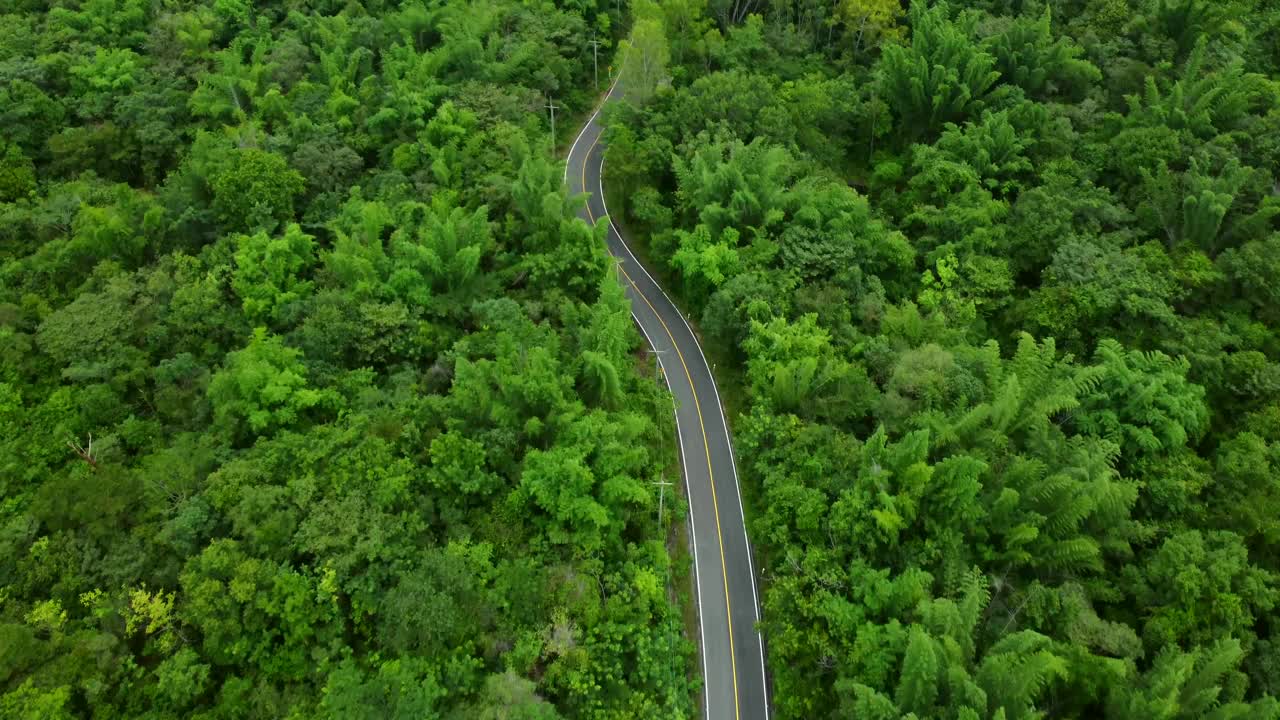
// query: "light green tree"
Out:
[705,263]
[1143,401]
[646,52]
[262,388]
[269,271]
[871,22]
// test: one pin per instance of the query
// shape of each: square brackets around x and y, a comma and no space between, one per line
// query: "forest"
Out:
[316,399]
[995,285]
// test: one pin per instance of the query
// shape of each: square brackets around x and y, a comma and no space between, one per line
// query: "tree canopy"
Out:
[991,281]
[316,398]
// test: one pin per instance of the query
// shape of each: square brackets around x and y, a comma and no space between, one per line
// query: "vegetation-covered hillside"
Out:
[316,401]
[1000,279]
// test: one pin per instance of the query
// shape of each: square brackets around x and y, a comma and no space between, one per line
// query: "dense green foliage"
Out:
[999,279]
[316,400]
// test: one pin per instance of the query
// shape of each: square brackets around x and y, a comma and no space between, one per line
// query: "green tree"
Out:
[255,191]
[100,80]
[561,484]
[647,52]
[249,610]
[17,174]
[400,688]
[705,263]
[1029,56]
[27,702]
[262,388]
[942,76]
[917,688]
[229,91]
[1144,402]
[1189,685]
[871,21]
[1251,270]
[1244,489]
[737,186]
[793,368]
[267,276]
[510,697]
[1198,588]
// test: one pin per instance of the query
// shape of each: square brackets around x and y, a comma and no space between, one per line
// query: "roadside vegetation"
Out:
[316,399]
[1000,280]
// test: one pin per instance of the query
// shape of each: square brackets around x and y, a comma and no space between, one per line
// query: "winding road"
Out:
[731,649]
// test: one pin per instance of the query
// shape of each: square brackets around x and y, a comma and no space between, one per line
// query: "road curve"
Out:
[728,609]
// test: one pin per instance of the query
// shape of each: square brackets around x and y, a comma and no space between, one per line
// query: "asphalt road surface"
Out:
[731,649]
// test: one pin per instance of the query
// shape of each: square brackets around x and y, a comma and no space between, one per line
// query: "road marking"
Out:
[724,571]
[605,99]
[733,461]
[684,464]
[733,465]
[706,447]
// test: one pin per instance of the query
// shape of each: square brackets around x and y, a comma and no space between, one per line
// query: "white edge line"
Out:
[693,541]
[732,463]
[684,463]
[569,160]
[688,493]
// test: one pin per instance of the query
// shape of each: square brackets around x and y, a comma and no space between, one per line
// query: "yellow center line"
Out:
[705,445]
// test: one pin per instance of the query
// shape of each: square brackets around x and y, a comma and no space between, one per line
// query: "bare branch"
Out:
[85,453]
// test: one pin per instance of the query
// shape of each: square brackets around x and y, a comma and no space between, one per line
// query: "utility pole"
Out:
[662,487]
[657,363]
[595,59]
[553,107]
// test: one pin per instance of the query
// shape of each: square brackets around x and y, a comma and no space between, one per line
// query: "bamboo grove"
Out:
[993,286]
